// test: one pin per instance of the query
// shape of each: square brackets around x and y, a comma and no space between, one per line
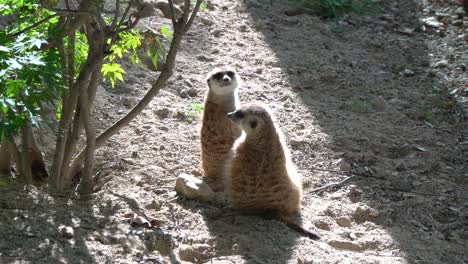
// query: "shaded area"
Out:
[253,238]
[379,119]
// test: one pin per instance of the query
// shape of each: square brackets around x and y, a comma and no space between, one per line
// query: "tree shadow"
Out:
[368,89]
[38,227]
[254,238]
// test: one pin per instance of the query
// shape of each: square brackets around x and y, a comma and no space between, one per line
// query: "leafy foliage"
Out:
[29,77]
[333,8]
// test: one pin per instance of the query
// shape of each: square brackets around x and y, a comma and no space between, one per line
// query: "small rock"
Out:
[162,147]
[188,83]
[194,253]
[192,92]
[244,28]
[323,225]
[407,73]
[345,245]
[162,113]
[66,231]
[457,22]
[146,126]
[401,166]
[206,21]
[163,128]
[441,64]
[355,194]
[365,213]
[379,103]
[343,222]
[184,93]
[204,58]
[465,37]
[193,188]
[297,141]
[460,12]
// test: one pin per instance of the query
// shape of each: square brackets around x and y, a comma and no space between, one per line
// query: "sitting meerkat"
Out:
[218,133]
[259,174]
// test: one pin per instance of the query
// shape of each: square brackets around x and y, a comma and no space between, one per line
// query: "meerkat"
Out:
[259,175]
[218,133]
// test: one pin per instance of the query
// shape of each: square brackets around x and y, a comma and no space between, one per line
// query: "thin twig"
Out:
[424,193]
[349,172]
[171,8]
[33,25]
[335,184]
[383,187]
[116,16]
[194,14]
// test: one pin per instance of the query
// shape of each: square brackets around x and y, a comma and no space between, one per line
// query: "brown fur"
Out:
[260,177]
[259,173]
[218,133]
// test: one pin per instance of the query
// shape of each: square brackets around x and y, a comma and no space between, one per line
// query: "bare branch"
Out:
[194,14]
[116,16]
[171,8]
[336,184]
[33,25]
[25,167]
[115,31]
[166,73]
[186,11]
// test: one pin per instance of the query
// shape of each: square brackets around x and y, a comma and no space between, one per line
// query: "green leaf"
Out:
[4,49]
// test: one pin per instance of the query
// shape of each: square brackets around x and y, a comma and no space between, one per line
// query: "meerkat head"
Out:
[252,118]
[223,81]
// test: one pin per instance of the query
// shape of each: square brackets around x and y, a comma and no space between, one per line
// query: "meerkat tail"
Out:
[298,228]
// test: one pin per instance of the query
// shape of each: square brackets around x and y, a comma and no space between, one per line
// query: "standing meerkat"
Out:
[260,176]
[218,133]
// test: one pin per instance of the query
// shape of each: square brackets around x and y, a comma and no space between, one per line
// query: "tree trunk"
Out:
[5,157]
[166,73]
[25,158]
[38,167]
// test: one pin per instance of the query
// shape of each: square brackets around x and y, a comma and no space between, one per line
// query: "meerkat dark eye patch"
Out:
[253,124]
[239,114]
[218,76]
[230,74]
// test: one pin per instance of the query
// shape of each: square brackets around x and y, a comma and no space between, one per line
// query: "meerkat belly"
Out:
[264,194]
[218,135]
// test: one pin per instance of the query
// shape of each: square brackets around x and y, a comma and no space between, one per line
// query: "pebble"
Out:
[460,12]
[192,92]
[162,113]
[297,141]
[193,253]
[401,166]
[465,36]
[457,22]
[355,194]
[193,188]
[345,245]
[206,21]
[365,213]
[66,231]
[441,64]
[343,222]
[184,93]
[407,73]
[204,58]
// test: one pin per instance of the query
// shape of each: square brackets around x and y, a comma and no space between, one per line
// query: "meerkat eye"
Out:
[218,76]
[253,124]
[239,114]
[230,74]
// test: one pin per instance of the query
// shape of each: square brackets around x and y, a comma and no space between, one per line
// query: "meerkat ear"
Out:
[253,124]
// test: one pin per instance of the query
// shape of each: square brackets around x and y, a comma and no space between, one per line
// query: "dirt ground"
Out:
[381,98]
